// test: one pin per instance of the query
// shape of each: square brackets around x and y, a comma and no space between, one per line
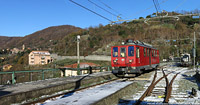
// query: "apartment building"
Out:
[39,58]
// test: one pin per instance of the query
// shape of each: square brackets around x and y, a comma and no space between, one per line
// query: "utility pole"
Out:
[78,53]
[194,51]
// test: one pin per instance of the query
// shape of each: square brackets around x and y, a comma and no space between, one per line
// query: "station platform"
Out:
[29,91]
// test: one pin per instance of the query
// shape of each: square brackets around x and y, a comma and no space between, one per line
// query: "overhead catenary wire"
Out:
[155,4]
[180,4]
[109,7]
[139,12]
[103,8]
[89,10]
[158,6]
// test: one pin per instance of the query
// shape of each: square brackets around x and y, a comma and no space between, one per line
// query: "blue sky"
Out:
[23,17]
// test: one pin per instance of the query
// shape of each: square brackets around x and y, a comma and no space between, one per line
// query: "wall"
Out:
[89,57]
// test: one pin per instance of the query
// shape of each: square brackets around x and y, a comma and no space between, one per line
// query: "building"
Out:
[7,67]
[39,58]
[15,50]
[68,72]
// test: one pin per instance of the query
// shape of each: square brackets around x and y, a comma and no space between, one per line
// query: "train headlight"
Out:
[130,60]
[133,67]
[115,60]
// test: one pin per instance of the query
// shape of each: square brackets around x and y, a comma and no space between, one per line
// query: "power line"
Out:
[179,5]
[139,12]
[102,8]
[156,4]
[109,7]
[90,10]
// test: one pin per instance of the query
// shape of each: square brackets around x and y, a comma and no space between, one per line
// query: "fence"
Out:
[12,77]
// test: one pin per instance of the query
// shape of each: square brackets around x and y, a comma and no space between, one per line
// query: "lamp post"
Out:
[78,53]
[194,50]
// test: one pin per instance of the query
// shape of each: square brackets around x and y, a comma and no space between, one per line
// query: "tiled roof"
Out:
[41,52]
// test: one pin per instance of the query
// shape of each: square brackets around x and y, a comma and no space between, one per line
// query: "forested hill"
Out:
[170,35]
[44,39]
[5,41]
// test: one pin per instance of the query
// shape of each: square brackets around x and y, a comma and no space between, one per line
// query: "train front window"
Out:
[130,51]
[123,52]
[115,51]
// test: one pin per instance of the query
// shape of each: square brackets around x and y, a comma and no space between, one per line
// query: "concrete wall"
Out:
[33,95]
[89,57]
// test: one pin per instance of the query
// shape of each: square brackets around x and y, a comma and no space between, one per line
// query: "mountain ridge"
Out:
[40,39]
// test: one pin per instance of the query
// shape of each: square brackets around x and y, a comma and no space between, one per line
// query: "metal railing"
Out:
[11,77]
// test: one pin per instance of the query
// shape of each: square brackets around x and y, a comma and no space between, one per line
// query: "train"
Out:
[133,57]
[185,60]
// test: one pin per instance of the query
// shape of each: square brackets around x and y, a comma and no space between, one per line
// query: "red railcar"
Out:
[133,57]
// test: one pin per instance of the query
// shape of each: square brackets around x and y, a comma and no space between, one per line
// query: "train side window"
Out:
[137,52]
[130,51]
[152,53]
[123,52]
[156,53]
[147,52]
[115,51]
[144,52]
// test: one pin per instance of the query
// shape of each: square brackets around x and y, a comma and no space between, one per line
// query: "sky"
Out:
[24,17]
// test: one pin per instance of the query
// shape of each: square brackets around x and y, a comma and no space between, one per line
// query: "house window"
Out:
[43,57]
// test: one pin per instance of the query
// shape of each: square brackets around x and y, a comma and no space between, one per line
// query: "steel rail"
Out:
[167,82]
[169,89]
[149,89]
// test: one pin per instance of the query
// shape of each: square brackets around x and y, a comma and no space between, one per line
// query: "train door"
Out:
[150,57]
[138,56]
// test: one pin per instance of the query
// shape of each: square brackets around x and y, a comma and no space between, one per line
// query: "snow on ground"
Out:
[89,96]
[181,88]
[28,86]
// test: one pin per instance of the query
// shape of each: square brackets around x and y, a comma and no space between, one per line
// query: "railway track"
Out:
[53,97]
[168,87]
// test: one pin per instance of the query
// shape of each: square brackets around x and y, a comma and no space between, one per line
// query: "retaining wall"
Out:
[83,81]
[89,57]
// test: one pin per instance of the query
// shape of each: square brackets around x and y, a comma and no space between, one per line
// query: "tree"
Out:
[141,18]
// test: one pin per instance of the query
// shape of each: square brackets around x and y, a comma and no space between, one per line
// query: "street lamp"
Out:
[78,53]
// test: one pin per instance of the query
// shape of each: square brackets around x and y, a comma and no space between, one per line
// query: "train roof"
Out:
[132,42]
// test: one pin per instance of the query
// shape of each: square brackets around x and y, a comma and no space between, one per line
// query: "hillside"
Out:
[43,39]
[5,41]
[171,36]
